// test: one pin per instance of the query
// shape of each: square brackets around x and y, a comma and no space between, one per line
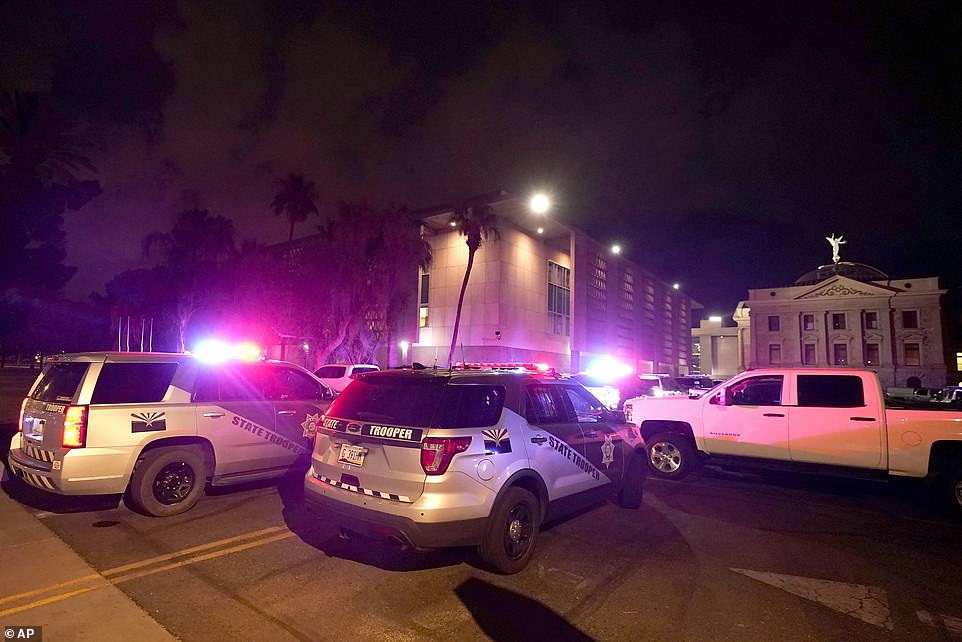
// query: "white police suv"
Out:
[159,426]
[437,458]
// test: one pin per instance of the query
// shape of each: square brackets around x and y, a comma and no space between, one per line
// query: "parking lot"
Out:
[721,556]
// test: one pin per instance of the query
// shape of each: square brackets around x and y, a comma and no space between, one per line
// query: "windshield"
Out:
[330,372]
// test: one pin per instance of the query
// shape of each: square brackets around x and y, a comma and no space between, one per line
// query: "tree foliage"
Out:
[296,198]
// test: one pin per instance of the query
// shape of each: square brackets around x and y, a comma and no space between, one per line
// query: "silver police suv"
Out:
[159,426]
[436,458]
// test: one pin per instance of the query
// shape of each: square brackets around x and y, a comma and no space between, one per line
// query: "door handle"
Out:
[213,415]
[862,418]
[285,412]
[773,414]
[538,439]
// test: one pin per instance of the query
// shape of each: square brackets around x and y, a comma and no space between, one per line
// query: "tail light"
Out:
[23,408]
[437,452]
[75,427]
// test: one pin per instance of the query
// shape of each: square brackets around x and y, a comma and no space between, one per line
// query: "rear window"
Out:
[133,382]
[330,372]
[362,369]
[830,391]
[59,382]
[420,404]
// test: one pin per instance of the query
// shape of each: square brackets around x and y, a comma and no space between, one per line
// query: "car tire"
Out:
[512,532]
[671,455]
[633,491]
[167,481]
[949,492]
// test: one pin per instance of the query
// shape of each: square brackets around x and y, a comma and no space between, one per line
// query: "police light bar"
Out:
[510,367]
[214,351]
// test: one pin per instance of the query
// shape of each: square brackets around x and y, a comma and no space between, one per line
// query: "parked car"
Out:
[338,375]
[614,392]
[157,427]
[434,458]
[815,419]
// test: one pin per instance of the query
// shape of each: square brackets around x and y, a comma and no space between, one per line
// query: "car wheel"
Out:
[632,492]
[671,455]
[950,492]
[167,481]
[512,531]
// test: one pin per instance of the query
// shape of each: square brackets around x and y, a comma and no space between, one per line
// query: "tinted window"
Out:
[133,382]
[757,391]
[420,403]
[362,369]
[330,372]
[59,382]
[229,383]
[545,405]
[587,408]
[470,406]
[284,384]
[830,391]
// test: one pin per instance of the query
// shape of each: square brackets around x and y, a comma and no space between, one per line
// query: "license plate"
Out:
[353,455]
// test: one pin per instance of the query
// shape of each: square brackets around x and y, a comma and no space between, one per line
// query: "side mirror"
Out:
[721,398]
[616,417]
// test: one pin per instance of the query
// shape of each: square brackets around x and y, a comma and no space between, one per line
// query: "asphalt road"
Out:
[721,556]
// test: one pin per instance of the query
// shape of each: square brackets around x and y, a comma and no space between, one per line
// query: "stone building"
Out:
[543,292]
[850,314]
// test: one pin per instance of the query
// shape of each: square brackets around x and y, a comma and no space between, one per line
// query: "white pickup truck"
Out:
[818,419]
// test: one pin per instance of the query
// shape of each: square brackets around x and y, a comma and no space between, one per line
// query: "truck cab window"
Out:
[757,391]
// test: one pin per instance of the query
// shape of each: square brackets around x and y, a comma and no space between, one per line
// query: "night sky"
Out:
[719,143]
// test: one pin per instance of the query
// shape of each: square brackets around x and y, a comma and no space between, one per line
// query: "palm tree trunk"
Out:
[291,237]
[457,316]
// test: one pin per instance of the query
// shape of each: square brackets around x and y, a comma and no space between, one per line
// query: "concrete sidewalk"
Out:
[43,582]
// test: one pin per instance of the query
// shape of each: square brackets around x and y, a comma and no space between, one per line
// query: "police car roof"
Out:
[455,375]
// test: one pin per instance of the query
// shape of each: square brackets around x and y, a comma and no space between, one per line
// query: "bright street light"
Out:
[539,203]
[616,249]
[676,285]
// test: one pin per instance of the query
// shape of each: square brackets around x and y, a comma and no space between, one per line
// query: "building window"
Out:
[912,355]
[871,320]
[808,322]
[628,292]
[841,354]
[559,299]
[808,354]
[958,361]
[910,318]
[425,289]
[774,355]
[838,321]
[774,325]
[598,285]
[871,354]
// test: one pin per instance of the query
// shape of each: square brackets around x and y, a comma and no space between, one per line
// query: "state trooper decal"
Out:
[310,425]
[496,440]
[607,452]
[148,421]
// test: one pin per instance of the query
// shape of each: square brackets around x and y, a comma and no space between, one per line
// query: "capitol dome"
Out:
[856,271]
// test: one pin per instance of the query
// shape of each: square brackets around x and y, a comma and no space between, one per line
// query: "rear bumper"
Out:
[375,523]
[85,471]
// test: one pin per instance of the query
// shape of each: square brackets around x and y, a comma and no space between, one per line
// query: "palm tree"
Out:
[295,198]
[477,224]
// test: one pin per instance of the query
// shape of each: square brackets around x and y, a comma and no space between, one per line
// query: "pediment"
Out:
[841,286]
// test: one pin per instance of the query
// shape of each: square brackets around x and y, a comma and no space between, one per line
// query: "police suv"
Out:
[435,458]
[158,426]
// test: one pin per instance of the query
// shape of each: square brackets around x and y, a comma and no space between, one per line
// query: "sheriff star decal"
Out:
[496,440]
[607,452]
[310,425]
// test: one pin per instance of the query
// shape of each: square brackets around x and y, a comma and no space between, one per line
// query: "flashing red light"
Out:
[75,427]
[23,408]
[437,453]
[529,367]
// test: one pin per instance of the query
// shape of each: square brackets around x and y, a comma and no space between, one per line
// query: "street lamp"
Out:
[616,249]
[403,344]
[539,203]
[676,286]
